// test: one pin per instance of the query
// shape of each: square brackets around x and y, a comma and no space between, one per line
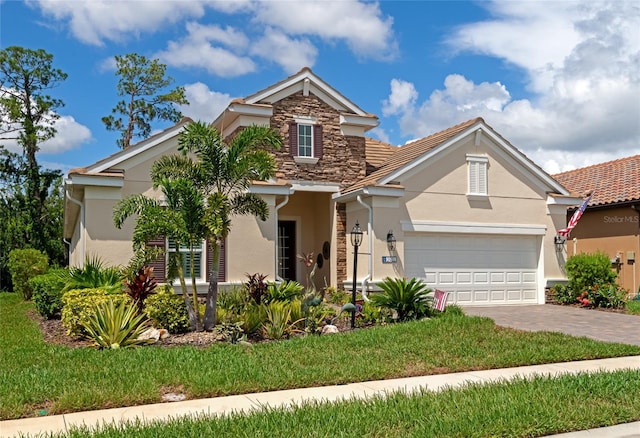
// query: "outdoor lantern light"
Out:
[356,240]
[559,241]
[391,241]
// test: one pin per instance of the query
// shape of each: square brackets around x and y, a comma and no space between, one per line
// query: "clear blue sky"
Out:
[560,80]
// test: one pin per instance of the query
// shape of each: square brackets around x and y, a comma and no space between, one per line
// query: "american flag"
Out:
[575,218]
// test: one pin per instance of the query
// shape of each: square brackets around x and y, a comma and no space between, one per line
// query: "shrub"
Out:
[24,264]
[167,310]
[141,287]
[253,317]
[408,298]
[278,324]
[372,314]
[115,325]
[587,270]
[285,291]
[94,275]
[233,299]
[607,295]
[47,292]
[79,305]
[256,286]
[563,294]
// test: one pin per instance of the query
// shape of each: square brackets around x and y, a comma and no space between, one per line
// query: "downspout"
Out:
[365,280]
[81,237]
[278,207]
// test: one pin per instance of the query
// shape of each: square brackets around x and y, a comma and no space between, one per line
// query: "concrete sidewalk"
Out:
[252,402]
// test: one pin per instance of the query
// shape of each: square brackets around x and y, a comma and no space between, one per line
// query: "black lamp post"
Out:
[356,240]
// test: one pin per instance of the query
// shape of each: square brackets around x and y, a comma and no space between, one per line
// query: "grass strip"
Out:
[521,408]
[36,378]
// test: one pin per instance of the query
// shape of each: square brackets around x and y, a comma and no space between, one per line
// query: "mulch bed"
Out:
[53,332]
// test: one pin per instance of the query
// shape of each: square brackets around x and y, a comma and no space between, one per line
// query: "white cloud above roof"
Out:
[204,104]
[582,62]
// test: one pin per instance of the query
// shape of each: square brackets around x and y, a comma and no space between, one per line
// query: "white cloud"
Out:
[204,104]
[380,134]
[582,61]
[291,54]
[94,21]
[362,26]
[70,135]
[200,49]
[403,95]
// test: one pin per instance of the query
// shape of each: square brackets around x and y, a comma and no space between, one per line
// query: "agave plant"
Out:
[117,326]
[408,298]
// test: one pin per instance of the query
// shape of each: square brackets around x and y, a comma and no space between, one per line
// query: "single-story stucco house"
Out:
[611,221]
[469,212]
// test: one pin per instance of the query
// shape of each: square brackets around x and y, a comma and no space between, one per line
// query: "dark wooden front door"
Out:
[287,250]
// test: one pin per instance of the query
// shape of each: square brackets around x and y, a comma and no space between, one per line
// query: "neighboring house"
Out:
[469,212]
[611,222]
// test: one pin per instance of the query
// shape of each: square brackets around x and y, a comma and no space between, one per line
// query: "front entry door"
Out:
[287,250]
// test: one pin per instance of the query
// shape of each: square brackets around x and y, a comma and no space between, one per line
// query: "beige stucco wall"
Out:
[437,192]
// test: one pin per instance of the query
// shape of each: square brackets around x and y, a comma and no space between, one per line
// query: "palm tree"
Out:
[179,218]
[222,172]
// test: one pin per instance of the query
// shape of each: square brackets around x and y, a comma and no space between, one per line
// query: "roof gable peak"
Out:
[307,82]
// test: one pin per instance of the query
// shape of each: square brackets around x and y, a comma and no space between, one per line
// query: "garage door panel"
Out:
[476,269]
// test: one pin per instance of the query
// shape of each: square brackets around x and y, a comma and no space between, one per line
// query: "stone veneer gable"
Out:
[343,157]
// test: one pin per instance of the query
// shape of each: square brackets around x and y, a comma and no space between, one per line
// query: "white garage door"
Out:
[475,269]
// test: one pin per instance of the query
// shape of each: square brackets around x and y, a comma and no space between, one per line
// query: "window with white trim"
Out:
[478,165]
[305,140]
[186,259]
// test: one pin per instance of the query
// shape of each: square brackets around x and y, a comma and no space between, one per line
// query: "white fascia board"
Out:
[317,87]
[521,159]
[366,121]
[135,150]
[357,125]
[243,120]
[307,186]
[392,192]
[95,180]
[567,201]
[252,110]
[473,228]
[271,190]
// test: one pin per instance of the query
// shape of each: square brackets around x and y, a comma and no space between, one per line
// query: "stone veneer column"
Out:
[341,240]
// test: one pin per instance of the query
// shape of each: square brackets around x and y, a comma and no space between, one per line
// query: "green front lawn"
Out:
[521,408]
[37,378]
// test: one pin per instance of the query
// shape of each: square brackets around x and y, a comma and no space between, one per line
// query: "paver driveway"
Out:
[575,321]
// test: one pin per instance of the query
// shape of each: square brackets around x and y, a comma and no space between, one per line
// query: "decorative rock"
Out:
[150,333]
[329,328]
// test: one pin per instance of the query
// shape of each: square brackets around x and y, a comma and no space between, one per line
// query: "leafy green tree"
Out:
[28,115]
[141,83]
[222,172]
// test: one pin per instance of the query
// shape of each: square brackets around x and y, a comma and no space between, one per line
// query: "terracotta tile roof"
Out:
[411,151]
[133,147]
[612,182]
[377,153]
